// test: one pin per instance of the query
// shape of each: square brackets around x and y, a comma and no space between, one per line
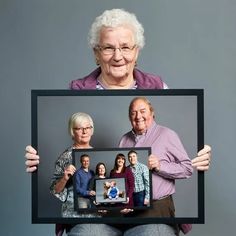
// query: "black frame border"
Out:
[199,93]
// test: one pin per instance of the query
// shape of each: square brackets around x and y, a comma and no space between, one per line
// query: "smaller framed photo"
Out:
[98,186]
[110,192]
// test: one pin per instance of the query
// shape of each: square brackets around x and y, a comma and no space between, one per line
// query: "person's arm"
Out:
[130,182]
[62,173]
[146,185]
[108,192]
[173,162]
[203,159]
[91,185]
[77,181]
[117,192]
[61,183]
[81,188]
[32,159]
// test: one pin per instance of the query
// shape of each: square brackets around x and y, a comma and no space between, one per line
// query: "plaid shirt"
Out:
[141,179]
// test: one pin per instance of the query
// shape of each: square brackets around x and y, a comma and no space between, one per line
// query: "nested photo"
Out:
[114,155]
[111,179]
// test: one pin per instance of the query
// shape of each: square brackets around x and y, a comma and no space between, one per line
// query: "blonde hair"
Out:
[79,118]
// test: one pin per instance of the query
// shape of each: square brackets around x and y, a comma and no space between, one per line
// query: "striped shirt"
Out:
[141,179]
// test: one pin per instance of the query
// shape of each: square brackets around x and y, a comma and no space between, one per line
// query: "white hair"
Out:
[79,118]
[114,18]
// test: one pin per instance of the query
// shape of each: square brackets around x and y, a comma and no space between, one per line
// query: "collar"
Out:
[145,133]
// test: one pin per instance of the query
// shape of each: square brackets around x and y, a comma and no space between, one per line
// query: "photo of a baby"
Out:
[110,191]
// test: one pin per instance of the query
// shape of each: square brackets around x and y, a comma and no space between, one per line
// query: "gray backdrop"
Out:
[190,43]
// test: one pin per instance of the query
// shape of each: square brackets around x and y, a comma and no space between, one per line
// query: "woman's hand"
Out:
[146,202]
[203,159]
[92,193]
[127,201]
[61,183]
[32,159]
[68,172]
[126,210]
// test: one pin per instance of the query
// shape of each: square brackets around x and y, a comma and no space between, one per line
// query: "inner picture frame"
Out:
[179,109]
[108,199]
[104,199]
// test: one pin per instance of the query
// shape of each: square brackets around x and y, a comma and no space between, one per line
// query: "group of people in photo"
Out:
[135,192]
[168,161]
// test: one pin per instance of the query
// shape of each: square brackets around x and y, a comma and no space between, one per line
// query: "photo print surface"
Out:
[179,110]
[109,191]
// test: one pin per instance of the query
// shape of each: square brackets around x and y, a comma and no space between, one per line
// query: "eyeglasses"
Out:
[109,50]
[83,129]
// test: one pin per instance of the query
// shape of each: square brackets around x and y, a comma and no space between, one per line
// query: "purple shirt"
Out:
[143,80]
[174,161]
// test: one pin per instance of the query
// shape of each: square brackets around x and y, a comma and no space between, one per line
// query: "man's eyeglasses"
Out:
[109,50]
[83,129]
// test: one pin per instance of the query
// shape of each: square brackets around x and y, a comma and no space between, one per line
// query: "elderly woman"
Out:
[116,37]
[80,128]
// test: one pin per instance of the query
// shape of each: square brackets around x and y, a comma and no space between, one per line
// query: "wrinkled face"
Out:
[117,65]
[133,158]
[82,133]
[85,163]
[101,170]
[141,117]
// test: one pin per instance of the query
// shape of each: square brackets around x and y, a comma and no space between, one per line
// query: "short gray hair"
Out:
[115,18]
[79,118]
[145,100]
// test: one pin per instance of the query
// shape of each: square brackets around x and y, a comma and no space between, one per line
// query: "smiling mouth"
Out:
[117,66]
[140,122]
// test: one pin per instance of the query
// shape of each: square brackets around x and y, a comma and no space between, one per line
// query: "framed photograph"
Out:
[178,110]
[111,193]
[105,196]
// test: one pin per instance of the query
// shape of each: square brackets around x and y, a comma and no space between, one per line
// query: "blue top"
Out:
[82,181]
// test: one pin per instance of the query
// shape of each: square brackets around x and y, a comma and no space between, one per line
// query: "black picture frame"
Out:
[180,109]
[102,196]
[107,156]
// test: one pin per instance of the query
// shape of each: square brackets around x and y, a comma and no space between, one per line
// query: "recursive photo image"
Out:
[111,179]
[130,162]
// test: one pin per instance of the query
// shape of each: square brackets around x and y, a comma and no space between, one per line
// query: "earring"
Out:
[97,62]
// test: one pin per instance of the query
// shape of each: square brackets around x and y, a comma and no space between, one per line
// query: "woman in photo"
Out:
[120,170]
